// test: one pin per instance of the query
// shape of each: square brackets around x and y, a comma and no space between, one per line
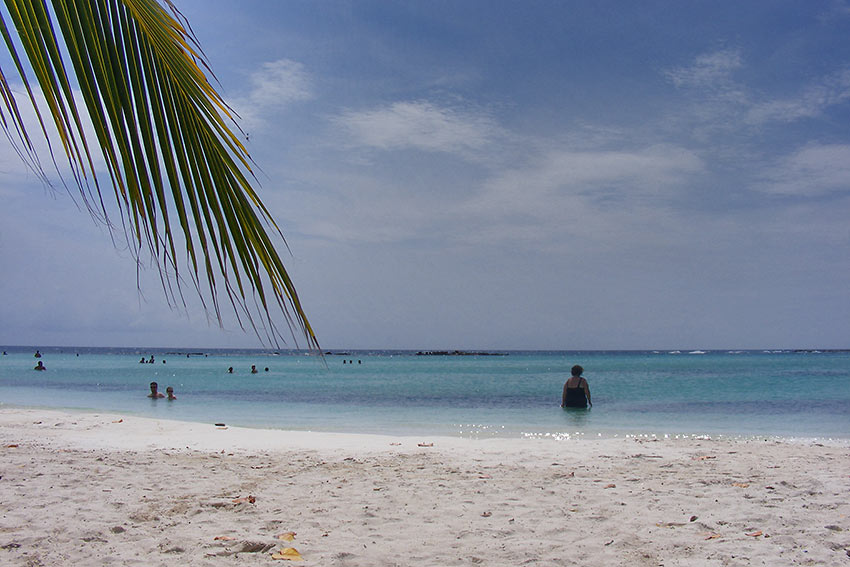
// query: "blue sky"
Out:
[498,175]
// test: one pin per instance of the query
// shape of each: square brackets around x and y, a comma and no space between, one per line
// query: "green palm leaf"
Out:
[164,138]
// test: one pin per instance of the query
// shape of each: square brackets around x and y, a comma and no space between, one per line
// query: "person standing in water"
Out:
[576,391]
[155,393]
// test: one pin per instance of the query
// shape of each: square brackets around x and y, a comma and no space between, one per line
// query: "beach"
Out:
[111,489]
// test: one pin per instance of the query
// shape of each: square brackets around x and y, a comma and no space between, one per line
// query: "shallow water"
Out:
[786,394]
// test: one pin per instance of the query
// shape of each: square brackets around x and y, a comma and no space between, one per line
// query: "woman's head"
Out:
[576,370]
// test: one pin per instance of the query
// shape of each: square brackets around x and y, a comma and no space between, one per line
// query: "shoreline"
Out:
[106,489]
[461,432]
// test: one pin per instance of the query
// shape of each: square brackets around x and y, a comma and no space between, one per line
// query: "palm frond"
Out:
[166,143]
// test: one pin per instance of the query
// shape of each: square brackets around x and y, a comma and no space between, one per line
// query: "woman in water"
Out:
[576,391]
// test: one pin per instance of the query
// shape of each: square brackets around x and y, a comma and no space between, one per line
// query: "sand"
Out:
[97,489]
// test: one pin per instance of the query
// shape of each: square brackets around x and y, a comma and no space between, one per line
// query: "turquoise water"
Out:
[749,393]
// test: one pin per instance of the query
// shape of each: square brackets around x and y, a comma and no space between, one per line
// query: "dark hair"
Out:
[576,370]
[154,384]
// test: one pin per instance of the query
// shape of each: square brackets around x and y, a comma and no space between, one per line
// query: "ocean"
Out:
[784,394]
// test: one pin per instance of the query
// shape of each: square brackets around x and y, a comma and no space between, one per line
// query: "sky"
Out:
[500,175]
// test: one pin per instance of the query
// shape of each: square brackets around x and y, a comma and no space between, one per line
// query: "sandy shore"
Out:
[97,489]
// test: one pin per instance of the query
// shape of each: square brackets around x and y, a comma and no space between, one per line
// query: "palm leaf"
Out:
[166,141]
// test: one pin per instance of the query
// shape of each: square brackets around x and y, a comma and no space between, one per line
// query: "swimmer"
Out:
[230,370]
[253,369]
[40,366]
[155,394]
[170,392]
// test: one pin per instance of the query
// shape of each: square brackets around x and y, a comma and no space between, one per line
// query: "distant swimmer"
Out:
[155,393]
[230,370]
[40,366]
[267,368]
[576,391]
[142,361]
[37,354]
[253,369]
[170,392]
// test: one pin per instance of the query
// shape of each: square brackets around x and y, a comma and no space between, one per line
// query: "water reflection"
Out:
[576,417]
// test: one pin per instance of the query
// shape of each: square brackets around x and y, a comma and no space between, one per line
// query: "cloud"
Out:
[279,83]
[603,195]
[714,100]
[624,175]
[722,101]
[813,101]
[420,125]
[523,198]
[707,70]
[276,85]
[650,168]
[812,171]
[527,189]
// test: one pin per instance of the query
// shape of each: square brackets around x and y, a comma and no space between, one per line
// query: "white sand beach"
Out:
[98,489]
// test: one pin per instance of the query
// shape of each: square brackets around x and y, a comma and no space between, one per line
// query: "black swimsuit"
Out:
[575,397]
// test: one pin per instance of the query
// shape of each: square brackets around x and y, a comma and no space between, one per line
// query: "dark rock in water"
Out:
[458,353]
